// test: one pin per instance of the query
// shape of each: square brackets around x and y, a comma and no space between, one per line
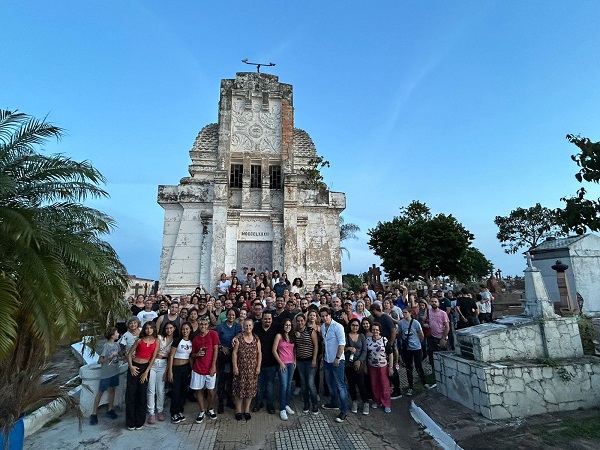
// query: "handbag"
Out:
[427,330]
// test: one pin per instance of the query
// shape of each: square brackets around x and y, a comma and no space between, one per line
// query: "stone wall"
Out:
[520,338]
[519,389]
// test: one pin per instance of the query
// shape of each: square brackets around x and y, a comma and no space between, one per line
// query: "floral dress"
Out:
[246,382]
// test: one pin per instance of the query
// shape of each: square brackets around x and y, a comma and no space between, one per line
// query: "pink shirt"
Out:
[285,350]
[437,321]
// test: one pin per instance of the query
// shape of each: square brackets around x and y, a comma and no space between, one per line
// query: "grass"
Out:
[570,429]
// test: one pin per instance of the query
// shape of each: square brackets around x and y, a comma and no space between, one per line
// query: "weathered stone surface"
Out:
[214,224]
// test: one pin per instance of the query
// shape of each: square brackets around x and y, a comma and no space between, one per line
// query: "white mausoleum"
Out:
[246,202]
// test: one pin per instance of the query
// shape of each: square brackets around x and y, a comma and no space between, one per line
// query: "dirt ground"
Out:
[65,364]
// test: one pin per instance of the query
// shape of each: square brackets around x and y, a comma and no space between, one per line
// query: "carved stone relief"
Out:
[254,129]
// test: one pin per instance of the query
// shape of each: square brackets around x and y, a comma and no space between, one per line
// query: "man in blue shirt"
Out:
[334,341]
[226,331]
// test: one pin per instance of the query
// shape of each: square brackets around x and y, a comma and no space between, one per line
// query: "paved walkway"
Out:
[264,431]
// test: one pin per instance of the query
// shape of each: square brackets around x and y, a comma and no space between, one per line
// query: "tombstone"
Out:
[521,365]
[374,275]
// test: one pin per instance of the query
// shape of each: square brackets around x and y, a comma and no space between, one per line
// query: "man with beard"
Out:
[467,310]
[439,325]
[279,309]
[304,305]
[171,317]
[266,333]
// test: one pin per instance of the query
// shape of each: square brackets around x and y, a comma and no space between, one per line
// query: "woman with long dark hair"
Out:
[179,370]
[140,358]
[356,365]
[307,346]
[284,352]
[156,382]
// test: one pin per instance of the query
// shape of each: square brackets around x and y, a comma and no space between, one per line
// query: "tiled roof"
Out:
[557,244]
[303,144]
[208,139]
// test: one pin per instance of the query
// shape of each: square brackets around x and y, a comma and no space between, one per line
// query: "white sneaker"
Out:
[374,405]
[283,414]
[430,386]
[366,409]
[409,392]
[354,407]
[289,410]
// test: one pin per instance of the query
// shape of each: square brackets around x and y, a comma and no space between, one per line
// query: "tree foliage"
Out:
[581,213]
[527,227]
[418,245]
[352,281]
[474,266]
[55,269]
[347,231]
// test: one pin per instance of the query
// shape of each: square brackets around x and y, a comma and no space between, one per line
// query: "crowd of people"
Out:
[230,347]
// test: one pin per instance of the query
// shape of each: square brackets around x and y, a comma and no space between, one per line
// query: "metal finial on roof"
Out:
[245,61]
[529,261]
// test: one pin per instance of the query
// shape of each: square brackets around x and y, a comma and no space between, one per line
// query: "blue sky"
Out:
[461,105]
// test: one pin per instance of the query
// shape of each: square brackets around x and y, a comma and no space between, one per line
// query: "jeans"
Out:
[307,377]
[224,378]
[265,385]
[337,388]
[410,356]
[356,380]
[156,386]
[433,345]
[179,388]
[285,385]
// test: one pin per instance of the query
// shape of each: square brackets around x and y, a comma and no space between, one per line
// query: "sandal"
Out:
[238,416]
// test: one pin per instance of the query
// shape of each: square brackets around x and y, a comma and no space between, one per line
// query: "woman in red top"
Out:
[140,359]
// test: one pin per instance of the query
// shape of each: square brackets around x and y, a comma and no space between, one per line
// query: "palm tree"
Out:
[347,231]
[55,269]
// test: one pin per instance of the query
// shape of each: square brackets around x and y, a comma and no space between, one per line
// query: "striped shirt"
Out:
[304,345]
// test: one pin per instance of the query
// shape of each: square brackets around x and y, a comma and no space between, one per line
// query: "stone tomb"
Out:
[247,201]
[521,365]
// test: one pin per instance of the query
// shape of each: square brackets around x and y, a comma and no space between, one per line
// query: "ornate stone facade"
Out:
[246,202]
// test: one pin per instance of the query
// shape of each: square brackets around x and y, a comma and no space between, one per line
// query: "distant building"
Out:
[247,202]
[137,285]
[582,255]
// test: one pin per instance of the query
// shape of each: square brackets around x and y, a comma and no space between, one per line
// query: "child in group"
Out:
[109,375]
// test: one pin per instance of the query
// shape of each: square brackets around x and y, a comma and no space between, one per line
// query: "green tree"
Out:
[417,245]
[352,281]
[347,231]
[473,266]
[527,227]
[55,269]
[581,213]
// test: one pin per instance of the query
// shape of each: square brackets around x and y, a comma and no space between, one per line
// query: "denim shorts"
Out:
[106,383]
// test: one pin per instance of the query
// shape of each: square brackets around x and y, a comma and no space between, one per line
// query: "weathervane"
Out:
[245,61]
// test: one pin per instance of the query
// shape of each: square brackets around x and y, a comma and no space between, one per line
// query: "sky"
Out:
[461,105]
